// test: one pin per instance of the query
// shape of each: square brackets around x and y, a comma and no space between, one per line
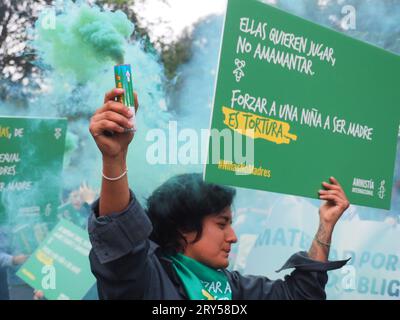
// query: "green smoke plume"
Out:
[82,40]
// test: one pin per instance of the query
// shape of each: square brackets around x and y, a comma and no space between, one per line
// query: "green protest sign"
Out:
[60,266]
[296,103]
[31,162]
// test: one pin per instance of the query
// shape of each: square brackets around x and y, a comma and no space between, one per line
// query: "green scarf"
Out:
[201,282]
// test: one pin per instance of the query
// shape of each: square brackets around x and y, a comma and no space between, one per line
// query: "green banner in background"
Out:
[60,265]
[31,162]
[313,102]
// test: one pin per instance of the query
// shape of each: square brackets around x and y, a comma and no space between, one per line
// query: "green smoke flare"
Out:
[82,39]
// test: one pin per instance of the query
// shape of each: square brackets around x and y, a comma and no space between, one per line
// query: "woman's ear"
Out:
[188,237]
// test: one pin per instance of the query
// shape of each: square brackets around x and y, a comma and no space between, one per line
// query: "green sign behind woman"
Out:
[313,102]
[31,161]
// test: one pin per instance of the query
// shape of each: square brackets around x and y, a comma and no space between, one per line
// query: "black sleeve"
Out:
[119,255]
[306,282]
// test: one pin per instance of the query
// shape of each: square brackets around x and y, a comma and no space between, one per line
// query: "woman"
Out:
[179,248]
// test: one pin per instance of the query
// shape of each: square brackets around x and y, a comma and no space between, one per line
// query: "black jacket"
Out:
[127,265]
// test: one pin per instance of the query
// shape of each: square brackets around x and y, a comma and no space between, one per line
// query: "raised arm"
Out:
[309,278]
[118,226]
[113,117]
[329,213]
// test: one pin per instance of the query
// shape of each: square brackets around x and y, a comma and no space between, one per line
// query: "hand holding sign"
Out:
[19,259]
[336,202]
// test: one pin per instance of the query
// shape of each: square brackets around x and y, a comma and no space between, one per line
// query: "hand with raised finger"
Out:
[335,202]
[111,126]
[87,194]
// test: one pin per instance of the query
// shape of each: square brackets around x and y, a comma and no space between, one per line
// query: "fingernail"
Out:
[130,113]
[119,90]
[130,123]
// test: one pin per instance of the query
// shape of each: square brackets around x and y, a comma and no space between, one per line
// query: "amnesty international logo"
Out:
[382,190]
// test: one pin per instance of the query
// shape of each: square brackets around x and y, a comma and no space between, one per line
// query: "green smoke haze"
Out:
[84,38]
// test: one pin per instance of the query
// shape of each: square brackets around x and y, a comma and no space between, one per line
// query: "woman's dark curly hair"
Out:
[180,205]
